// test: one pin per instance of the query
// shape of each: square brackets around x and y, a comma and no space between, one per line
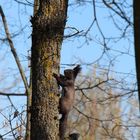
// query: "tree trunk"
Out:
[136,6]
[47,36]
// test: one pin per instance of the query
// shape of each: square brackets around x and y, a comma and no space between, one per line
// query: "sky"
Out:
[73,49]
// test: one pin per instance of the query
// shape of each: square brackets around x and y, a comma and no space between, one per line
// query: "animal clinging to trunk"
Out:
[66,81]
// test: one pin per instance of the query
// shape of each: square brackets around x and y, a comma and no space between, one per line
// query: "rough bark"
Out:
[136,6]
[48,28]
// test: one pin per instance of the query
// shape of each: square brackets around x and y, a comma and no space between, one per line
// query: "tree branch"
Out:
[13,50]
[12,94]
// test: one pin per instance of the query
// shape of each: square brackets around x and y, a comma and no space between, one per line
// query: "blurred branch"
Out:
[27,3]
[11,130]
[91,87]
[13,35]
[91,117]
[120,12]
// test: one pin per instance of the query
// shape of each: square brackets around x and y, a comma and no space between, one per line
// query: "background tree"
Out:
[137,41]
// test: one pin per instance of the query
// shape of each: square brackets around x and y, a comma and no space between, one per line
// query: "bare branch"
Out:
[13,50]
[12,94]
